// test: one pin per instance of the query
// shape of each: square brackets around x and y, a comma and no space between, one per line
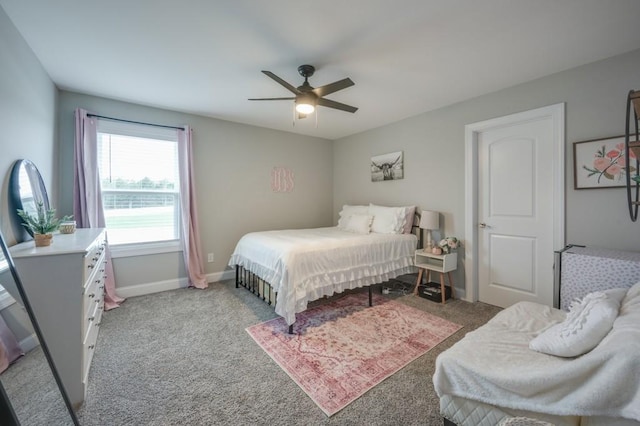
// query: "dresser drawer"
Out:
[94,258]
[93,308]
[89,344]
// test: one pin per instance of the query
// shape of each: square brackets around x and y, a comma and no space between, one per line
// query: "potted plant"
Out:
[42,225]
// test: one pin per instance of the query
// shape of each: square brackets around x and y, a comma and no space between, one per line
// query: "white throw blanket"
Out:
[305,264]
[494,365]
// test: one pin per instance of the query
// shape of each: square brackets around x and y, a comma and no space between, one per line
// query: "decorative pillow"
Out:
[587,323]
[348,211]
[359,223]
[387,220]
[409,213]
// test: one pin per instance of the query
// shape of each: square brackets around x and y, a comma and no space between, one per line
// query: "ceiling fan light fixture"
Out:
[305,103]
[305,108]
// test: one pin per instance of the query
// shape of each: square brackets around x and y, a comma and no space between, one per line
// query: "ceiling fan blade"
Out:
[282,82]
[336,105]
[270,99]
[327,89]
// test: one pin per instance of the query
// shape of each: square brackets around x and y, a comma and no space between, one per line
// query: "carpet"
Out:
[342,349]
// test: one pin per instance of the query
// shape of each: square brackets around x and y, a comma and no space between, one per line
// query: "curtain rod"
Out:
[134,122]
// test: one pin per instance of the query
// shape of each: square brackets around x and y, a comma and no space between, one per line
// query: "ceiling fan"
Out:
[307,97]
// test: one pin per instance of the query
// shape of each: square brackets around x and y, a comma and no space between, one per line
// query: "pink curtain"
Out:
[9,348]
[190,238]
[87,198]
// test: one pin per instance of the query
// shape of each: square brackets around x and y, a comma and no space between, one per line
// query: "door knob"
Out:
[483,225]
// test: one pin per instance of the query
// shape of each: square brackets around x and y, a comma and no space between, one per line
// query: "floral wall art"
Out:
[601,163]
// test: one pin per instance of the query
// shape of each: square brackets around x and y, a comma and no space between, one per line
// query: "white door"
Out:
[516,210]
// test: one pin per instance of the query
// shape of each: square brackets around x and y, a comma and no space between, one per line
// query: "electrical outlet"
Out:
[210,257]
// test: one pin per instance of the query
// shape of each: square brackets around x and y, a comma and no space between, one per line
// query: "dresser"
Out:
[64,283]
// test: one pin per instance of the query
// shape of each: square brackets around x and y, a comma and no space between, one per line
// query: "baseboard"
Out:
[461,294]
[29,343]
[221,276]
[158,286]
[150,288]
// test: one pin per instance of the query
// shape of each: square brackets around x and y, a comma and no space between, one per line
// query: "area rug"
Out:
[340,350]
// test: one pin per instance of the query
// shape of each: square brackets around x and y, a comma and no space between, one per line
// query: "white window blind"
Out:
[139,178]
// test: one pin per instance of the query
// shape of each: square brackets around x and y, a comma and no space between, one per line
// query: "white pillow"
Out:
[358,223]
[348,211]
[587,323]
[387,220]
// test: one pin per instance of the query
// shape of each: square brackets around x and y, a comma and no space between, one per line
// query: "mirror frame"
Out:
[15,199]
[38,331]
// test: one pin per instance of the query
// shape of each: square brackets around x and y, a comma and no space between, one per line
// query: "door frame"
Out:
[557,114]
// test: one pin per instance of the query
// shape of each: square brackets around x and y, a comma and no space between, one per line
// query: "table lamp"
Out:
[429,220]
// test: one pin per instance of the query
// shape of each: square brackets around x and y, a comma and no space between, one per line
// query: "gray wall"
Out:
[433,145]
[233,164]
[28,101]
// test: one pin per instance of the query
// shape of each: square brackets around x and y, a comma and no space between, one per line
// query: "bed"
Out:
[565,368]
[290,268]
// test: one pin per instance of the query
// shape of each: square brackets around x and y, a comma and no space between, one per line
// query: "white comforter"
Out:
[305,264]
[494,365]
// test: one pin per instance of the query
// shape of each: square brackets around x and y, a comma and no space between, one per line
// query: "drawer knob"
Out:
[90,266]
[92,346]
[92,295]
[92,318]
[97,324]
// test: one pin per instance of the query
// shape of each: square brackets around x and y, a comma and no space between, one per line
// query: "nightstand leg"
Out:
[453,288]
[418,281]
[442,287]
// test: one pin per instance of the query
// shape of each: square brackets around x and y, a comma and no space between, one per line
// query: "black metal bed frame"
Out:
[263,289]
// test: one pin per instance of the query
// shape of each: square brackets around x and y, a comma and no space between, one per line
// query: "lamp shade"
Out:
[429,220]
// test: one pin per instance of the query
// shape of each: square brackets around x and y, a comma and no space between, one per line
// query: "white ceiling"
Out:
[405,56]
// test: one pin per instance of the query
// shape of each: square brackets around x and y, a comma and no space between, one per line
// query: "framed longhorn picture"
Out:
[387,167]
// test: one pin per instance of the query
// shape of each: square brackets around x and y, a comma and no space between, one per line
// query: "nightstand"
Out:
[441,263]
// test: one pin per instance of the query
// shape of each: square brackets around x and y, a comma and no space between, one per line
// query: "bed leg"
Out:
[291,329]
[237,275]
[447,422]
[370,297]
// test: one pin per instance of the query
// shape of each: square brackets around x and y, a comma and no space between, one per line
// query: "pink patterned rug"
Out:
[344,348]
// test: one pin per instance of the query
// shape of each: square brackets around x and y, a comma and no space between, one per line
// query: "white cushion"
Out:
[347,211]
[586,324]
[387,220]
[358,223]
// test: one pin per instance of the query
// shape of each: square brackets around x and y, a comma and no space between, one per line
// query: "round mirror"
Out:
[26,190]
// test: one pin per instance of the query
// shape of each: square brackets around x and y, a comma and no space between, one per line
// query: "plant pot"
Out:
[43,240]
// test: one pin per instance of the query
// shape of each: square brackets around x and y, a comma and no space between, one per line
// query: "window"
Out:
[139,179]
